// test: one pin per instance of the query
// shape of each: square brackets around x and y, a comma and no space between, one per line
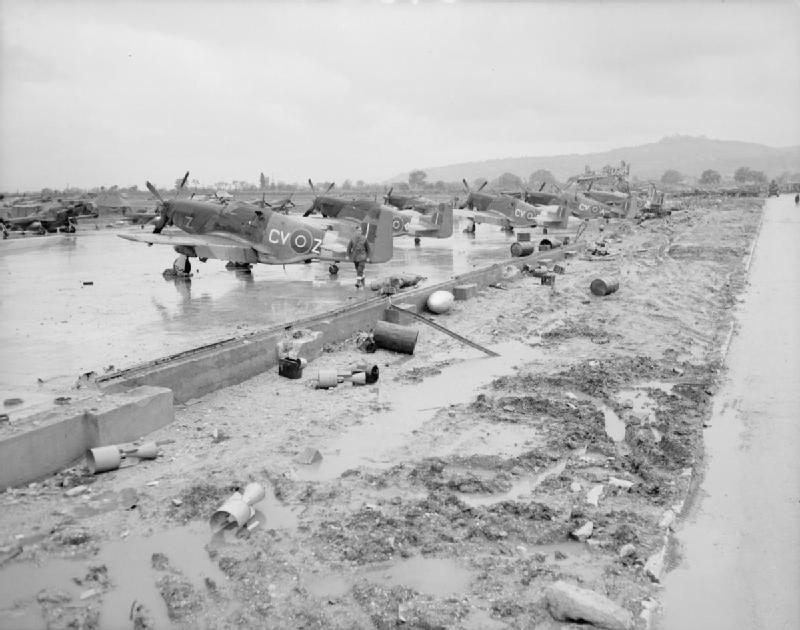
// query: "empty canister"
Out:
[103,458]
[604,286]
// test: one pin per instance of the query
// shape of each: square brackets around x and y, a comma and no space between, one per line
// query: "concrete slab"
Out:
[47,441]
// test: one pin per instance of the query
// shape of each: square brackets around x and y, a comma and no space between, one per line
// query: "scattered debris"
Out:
[308,456]
[12,402]
[394,337]
[238,508]
[440,301]
[105,458]
[572,603]
[583,532]
[604,286]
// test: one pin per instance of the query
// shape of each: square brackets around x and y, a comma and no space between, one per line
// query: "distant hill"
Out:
[690,155]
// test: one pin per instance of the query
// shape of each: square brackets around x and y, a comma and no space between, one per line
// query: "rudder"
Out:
[444,219]
[379,236]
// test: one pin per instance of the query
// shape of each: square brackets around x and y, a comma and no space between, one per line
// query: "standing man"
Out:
[358,252]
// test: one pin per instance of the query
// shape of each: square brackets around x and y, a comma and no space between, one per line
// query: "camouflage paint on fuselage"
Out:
[515,211]
[261,234]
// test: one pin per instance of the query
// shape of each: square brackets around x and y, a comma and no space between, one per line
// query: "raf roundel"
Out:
[301,241]
[396,224]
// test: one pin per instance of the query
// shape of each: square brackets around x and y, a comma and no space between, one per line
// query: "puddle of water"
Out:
[129,568]
[327,585]
[664,387]
[272,514]
[431,576]
[21,582]
[387,494]
[572,558]
[614,425]
[502,439]
[522,488]
[372,442]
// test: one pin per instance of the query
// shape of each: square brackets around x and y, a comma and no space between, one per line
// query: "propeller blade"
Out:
[482,186]
[328,189]
[389,194]
[183,181]
[310,183]
[466,185]
[541,188]
[154,192]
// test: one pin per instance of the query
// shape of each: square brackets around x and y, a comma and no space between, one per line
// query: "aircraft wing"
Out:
[493,218]
[220,246]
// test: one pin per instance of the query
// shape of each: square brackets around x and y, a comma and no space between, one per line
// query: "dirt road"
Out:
[450,494]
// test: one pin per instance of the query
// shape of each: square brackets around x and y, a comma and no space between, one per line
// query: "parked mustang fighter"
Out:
[244,234]
[578,202]
[504,210]
[435,222]
[55,216]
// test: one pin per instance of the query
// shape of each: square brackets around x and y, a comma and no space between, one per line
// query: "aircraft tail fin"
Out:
[444,219]
[379,236]
[563,214]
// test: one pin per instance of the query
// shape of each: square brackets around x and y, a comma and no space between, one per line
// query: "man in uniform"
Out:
[358,251]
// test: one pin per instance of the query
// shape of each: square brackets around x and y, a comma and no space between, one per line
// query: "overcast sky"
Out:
[104,93]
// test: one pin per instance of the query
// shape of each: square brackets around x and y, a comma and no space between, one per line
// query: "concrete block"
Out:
[51,440]
[567,602]
[129,415]
[465,291]
[394,316]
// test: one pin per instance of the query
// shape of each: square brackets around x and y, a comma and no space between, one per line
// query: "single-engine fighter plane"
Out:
[54,217]
[504,210]
[579,203]
[435,222]
[278,205]
[244,234]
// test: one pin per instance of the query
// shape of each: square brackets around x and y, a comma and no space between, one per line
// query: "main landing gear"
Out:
[333,269]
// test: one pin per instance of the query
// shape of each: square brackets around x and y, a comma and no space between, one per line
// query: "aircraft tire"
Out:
[333,269]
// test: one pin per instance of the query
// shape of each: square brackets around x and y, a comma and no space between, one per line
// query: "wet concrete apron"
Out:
[740,546]
[74,303]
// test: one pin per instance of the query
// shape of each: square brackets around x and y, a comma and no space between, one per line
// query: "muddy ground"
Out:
[450,494]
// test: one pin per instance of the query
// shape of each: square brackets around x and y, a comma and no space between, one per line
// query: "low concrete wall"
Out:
[140,400]
[51,440]
[197,372]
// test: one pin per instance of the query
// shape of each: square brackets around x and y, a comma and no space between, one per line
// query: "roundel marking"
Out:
[396,224]
[301,241]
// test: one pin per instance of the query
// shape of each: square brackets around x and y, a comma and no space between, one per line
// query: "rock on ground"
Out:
[572,603]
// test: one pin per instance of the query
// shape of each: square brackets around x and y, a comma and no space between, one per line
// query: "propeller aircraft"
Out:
[580,203]
[54,216]
[244,234]
[432,222]
[504,210]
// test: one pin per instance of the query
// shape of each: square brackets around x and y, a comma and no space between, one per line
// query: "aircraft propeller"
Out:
[314,207]
[164,209]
